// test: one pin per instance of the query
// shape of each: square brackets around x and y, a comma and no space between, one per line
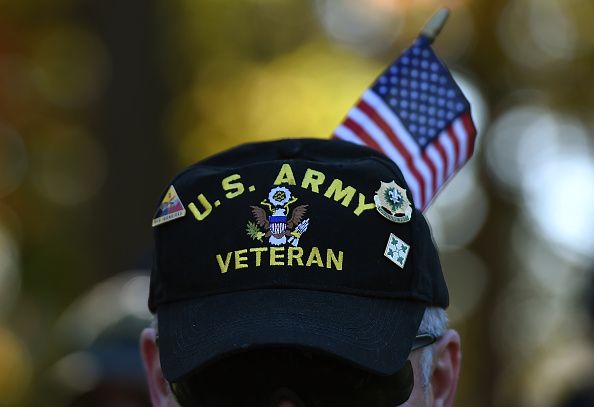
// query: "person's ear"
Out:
[446,369]
[158,387]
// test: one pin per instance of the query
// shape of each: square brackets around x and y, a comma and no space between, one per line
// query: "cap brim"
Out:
[373,333]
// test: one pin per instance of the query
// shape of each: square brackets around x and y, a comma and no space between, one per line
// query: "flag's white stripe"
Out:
[462,137]
[427,174]
[389,149]
[403,135]
[408,171]
[392,120]
[448,146]
[437,161]
[377,134]
[346,134]
[435,157]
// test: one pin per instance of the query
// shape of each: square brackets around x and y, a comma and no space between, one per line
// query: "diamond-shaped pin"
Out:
[397,250]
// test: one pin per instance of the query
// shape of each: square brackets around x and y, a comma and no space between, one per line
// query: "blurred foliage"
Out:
[101,103]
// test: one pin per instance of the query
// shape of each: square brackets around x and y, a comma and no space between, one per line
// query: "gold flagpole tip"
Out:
[435,24]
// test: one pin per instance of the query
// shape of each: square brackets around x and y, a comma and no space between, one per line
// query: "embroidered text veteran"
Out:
[280,256]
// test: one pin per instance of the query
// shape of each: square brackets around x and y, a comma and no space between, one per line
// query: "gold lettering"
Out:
[331,258]
[277,255]
[234,188]
[346,195]
[313,178]
[314,257]
[285,176]
[224,266]
[258,251]
[239,259]
[294,257]
[295,253]
[207,208]
[362,205]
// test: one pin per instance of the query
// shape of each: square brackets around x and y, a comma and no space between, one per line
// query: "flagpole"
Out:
[433,27]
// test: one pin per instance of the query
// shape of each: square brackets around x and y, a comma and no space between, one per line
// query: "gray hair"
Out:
[434,323]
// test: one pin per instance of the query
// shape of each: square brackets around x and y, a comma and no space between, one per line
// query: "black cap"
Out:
[296,243]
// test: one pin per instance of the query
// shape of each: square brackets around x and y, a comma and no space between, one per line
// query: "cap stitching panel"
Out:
[374,325]
[384,295]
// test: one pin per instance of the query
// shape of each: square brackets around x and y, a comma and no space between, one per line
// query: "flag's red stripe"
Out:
[456,144]
[470,132]
[379,121]
[359,131]
[429,162]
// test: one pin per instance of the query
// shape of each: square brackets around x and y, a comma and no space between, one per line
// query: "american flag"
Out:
[416,114]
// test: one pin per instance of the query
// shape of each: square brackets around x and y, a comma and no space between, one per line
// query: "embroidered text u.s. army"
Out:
[233,186]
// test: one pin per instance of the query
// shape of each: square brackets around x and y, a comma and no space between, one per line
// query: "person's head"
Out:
[301,274]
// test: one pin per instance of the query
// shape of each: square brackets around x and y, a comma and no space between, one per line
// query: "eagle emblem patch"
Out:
[391,202]
[281,225]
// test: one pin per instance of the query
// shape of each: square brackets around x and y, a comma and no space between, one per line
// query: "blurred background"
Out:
[102,102]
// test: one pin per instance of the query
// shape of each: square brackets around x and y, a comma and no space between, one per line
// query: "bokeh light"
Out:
[71,66]
[308,90]
[19,96]
[467,278]
[10,277]
[458,36]
[534,33]
[15,369]
[546,158]
[125,294]
[70,165]
[563,369]
[505,154]
[77,372]
[13,160]
[364,25]
[548,269]
[525,320]
[551,28]
[559,199]
[459,212]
